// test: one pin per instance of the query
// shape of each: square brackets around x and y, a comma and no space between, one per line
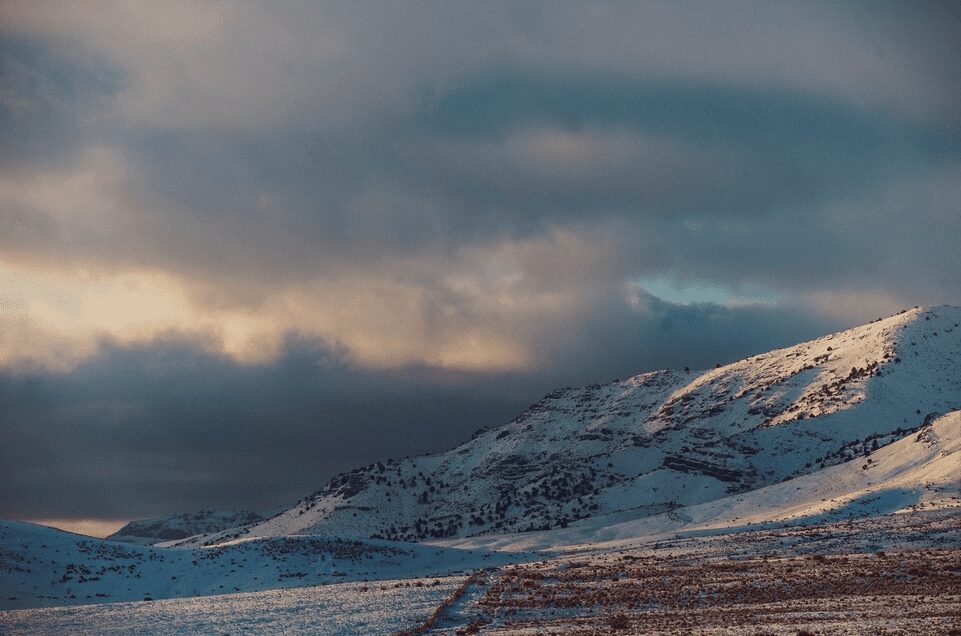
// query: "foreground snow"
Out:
[345,608]
[41,566]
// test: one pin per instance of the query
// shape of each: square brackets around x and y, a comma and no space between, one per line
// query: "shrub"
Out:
[618,622]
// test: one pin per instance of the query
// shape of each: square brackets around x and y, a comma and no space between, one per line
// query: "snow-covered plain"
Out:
[42,566]
[344,608]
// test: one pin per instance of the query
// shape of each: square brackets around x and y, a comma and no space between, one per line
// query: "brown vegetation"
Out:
[910,592]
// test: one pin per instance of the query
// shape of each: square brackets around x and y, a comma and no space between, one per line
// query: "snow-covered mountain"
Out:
[180,526]
[655,443]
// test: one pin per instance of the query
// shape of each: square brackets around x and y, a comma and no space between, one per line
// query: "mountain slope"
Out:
[921,471]
[655,442]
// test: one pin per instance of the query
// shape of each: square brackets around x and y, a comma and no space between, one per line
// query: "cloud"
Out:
[389,135]
[249,65]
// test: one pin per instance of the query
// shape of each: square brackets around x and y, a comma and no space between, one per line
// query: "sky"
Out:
[246,246]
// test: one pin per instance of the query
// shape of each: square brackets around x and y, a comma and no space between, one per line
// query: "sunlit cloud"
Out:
[478,311]
[56,318]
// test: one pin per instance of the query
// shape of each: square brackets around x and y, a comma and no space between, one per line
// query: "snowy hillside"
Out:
[656,442]
[181,526]
[41,566]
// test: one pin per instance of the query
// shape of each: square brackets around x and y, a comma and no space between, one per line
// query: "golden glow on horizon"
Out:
[89,527]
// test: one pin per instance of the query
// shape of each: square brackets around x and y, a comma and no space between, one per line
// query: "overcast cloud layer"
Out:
[245,246]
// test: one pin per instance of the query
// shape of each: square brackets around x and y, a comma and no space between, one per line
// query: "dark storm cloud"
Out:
[742,151]
[161,427]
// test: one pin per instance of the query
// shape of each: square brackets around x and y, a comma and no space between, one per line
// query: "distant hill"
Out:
[181,526]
